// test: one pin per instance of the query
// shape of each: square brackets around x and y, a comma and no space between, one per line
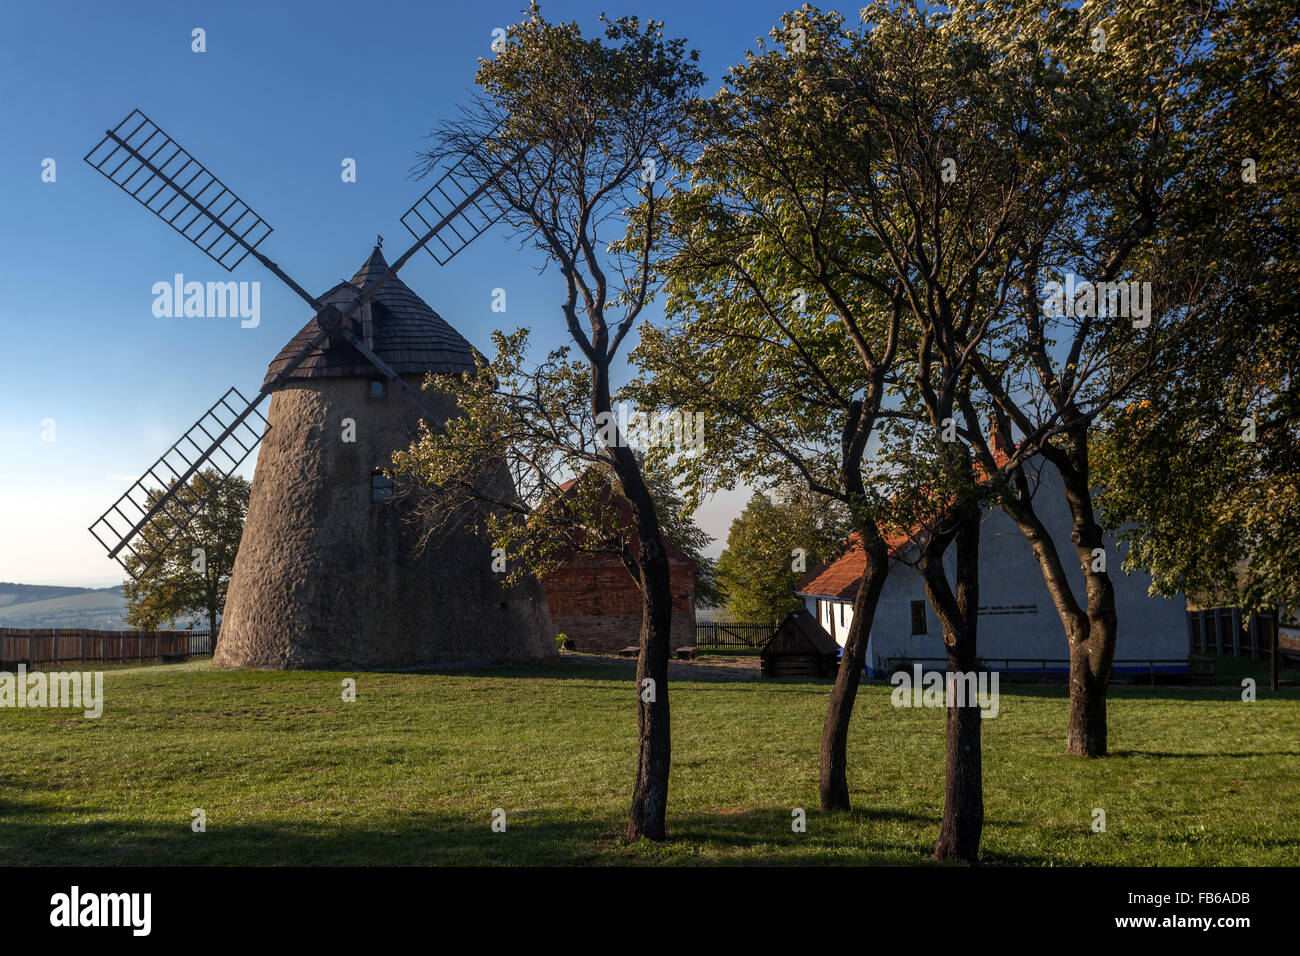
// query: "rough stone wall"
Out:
[325,578]
[594,601]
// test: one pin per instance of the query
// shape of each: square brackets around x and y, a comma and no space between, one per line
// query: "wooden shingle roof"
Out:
[405,333]
[807,625]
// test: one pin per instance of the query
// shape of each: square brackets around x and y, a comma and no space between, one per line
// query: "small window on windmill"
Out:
[378,388]
[918,617]
[381,487]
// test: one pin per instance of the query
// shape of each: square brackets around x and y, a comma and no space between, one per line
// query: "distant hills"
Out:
[39,605]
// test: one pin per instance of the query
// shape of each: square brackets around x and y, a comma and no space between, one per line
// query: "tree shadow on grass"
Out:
[100,836]
[1162,754]
[91,836]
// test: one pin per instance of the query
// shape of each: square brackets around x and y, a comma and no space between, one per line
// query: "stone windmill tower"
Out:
[328,574]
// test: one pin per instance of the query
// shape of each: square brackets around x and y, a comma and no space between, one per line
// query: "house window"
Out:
[381,487]
[378,388]
[918,617]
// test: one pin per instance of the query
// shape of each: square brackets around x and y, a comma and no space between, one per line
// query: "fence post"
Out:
[31,648]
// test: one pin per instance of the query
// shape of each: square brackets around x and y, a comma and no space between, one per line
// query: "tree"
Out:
[772,545]
[587,126]
[1211,505]
[1199,469]
[962,158]
[783,323]
[193,570]
[1054,156]
[823,185]
[1153,100]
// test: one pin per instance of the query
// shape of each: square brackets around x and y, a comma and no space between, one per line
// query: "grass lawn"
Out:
[411,772]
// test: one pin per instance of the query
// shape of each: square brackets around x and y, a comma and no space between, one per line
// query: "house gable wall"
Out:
[1017,617]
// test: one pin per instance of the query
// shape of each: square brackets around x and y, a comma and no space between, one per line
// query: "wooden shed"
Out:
[800,648]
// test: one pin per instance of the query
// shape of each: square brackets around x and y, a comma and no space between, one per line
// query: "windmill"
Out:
[327,575]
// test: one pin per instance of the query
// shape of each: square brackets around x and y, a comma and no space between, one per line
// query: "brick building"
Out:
[595,602]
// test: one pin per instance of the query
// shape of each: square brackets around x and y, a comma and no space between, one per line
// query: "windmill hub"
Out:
[329,319]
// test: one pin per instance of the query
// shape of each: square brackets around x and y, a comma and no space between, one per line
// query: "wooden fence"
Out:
[48,645]
[719,635]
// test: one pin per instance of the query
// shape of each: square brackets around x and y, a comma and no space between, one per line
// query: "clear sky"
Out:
[283,93]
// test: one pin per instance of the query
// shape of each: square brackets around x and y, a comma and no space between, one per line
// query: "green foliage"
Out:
[522,435]
[1204,478]
[781,330]
[677,524]
[182,582]
[1202,467]
[585,122]
[759,568]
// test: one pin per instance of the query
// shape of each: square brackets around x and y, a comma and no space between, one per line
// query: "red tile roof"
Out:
[840,578]
[625,519]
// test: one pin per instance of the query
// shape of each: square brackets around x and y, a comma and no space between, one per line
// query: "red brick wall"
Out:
[594,601]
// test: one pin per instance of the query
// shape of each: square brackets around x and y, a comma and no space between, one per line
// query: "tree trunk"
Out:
[1090,633]
[654,739]
[963,802]
[834,784]
[1091,652]
[1087,732]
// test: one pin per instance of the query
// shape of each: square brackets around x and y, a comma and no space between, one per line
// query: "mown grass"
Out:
[411,772]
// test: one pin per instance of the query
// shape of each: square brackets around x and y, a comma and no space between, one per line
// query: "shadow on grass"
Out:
[1163,754]
[761,836]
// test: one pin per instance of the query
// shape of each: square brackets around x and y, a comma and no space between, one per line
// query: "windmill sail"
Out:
[455,211]
[140,525]
[150,166]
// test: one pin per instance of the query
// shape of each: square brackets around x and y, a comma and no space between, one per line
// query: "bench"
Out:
[686,653]
[633,651]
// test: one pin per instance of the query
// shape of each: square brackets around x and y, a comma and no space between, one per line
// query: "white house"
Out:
[1019,629]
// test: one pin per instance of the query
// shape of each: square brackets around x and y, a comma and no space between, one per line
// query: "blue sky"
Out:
[283,93]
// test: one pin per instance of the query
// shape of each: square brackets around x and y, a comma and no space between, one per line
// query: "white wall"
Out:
[1017,616]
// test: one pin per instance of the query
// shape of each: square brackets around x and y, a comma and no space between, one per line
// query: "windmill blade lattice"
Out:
[454,212]
[147,164]
[140,525]
[151,167]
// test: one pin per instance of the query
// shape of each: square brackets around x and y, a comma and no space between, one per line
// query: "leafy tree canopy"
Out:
[774,542]
[193,572]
